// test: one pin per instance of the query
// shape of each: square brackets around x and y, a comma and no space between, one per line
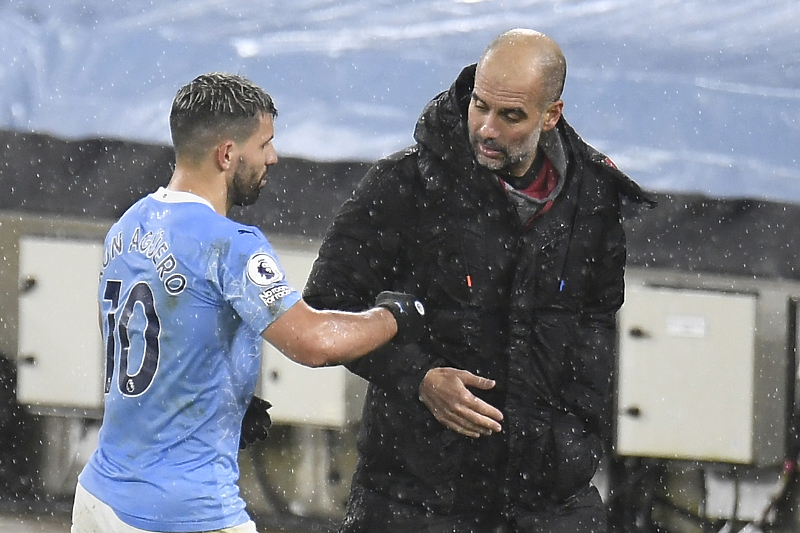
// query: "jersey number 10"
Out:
[118,320]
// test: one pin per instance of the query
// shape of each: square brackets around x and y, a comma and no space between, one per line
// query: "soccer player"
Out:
[185,297]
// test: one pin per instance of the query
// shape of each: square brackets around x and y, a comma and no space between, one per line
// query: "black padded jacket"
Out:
[528,303]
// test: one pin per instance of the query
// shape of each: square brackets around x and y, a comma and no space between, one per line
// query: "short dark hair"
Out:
[214,106]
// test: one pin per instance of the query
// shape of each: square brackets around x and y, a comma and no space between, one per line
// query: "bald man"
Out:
[508,225]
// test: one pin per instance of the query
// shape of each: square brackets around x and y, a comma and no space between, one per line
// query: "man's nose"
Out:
[272,157]
[488,128]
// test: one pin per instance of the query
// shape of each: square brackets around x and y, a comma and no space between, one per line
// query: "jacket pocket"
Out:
[551,460]
[527,477]
[575,456]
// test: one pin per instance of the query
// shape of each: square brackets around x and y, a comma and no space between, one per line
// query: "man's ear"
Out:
[225,154]
[552,115]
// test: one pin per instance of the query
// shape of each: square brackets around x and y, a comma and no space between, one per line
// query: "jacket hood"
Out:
[442,131]
[442,126]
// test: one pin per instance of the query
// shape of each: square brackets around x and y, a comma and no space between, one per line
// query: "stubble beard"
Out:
[245,187]
[508,160]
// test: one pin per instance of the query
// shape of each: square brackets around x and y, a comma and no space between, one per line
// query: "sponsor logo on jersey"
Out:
[270,296]
[263,270]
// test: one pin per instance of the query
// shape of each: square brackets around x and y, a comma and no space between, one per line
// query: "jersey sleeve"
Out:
[251,279]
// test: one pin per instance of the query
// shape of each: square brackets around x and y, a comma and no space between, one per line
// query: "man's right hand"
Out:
[444,391]
[408,313]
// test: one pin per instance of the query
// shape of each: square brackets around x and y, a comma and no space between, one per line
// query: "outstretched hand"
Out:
[445,392]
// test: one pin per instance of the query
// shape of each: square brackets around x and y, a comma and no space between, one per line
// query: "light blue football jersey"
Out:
[184,296]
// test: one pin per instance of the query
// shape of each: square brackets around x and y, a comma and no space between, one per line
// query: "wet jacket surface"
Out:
[528,303]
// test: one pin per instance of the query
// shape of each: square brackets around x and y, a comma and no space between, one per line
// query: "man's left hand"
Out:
[445,393]
[256,422]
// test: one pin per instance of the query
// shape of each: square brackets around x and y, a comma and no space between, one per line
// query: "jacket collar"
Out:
[553,147]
